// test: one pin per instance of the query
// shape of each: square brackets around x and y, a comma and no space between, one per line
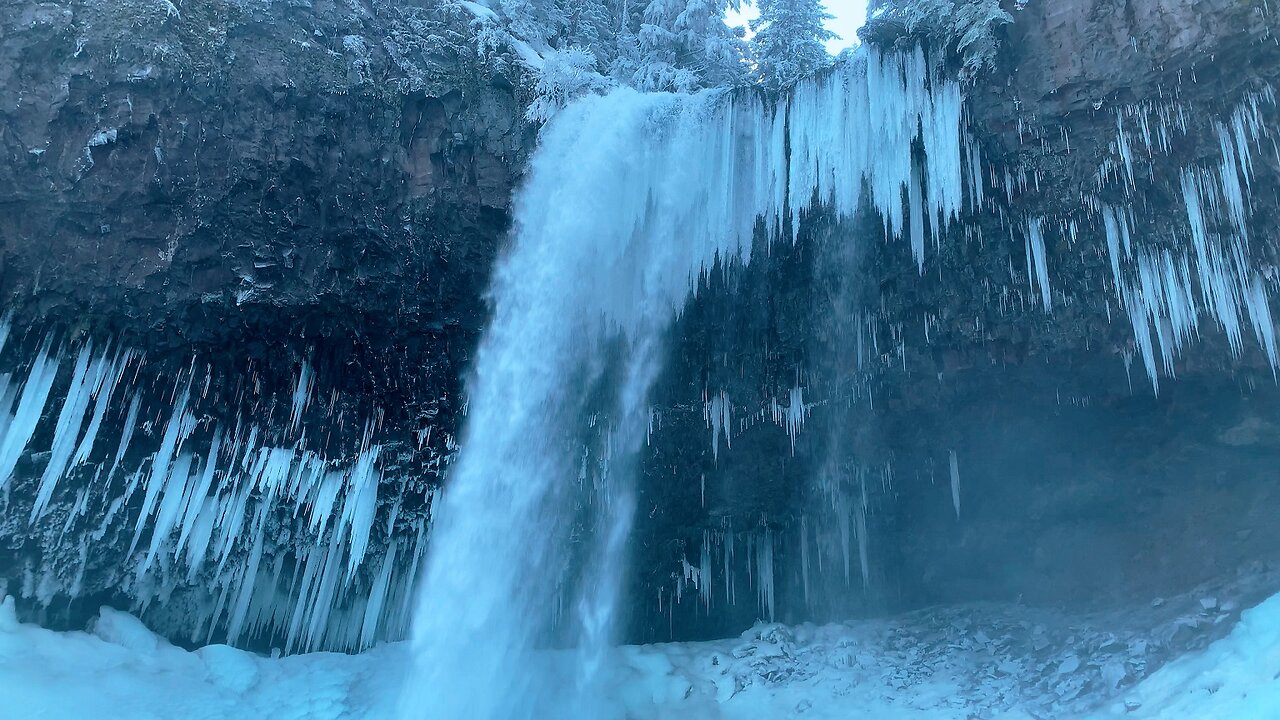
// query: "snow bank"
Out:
[122,670]
[1237,677]
[940,665]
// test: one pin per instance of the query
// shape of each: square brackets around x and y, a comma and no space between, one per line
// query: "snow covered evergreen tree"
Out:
[789,40]
[685,44]
[967,29]
[592,26]
[539,22]
[670,45]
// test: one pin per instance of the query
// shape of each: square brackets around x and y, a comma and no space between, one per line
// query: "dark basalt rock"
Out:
[250,186]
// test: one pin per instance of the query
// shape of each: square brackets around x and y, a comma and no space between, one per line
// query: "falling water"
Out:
[630,197]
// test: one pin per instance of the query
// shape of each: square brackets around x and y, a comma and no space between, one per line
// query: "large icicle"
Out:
[718,414]
[87,378]
[955,481]
[1037,262]
[181,423]
[20,424]
[301,395]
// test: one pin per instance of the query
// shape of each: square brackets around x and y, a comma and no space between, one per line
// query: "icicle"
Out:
[181,423]
[170,509]
[718,415]
[194,500]
[915,200]
[105,388]
[764,572]
[1126,153]
[804,556]
[955,483]
[199,536]
[86,376]
[130,423]
[21,424]
[1036,258]
[377,598]
[239,611]
[301,395]
[326,500]
[704,571]
[860,515]
[1112,229]
[796,413]
[6,325]
[361,502]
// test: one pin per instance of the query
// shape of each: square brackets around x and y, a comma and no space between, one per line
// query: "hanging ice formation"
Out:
[218,506]
[1036,260]
[1166,290]
[792,416]
[718,413]
[1199,281]
[630,198]
[955,481]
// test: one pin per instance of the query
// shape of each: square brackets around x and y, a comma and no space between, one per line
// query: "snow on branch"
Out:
[969,29]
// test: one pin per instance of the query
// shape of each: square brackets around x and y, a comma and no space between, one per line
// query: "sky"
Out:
[849,16]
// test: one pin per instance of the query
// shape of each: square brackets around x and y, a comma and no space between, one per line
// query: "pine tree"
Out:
[684,44]
[538,22]
[671,45]
[591,28]
[788,41]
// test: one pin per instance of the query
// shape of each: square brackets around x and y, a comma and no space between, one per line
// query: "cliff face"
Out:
[247,194]
[167,168]
[254,180]
[997,430]
[262,197]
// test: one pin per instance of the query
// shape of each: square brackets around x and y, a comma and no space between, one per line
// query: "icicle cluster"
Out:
[1166,290]
[216,512]
[791,418]
[758,566]
[707,168]
[833,536]
[718,414]
[860,123]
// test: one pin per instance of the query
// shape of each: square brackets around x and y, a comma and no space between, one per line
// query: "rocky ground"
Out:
[1190,655]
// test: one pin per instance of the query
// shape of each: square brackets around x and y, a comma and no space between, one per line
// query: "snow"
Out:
[480,11]
[955,663]
[121,670]
[1237,677]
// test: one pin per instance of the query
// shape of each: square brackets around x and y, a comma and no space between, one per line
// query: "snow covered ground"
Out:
[1170,659]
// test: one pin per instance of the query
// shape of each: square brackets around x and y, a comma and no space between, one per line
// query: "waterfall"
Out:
[629,199]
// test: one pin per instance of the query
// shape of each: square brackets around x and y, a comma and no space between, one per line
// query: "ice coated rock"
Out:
[125,630]
[8,616]
[231,669]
